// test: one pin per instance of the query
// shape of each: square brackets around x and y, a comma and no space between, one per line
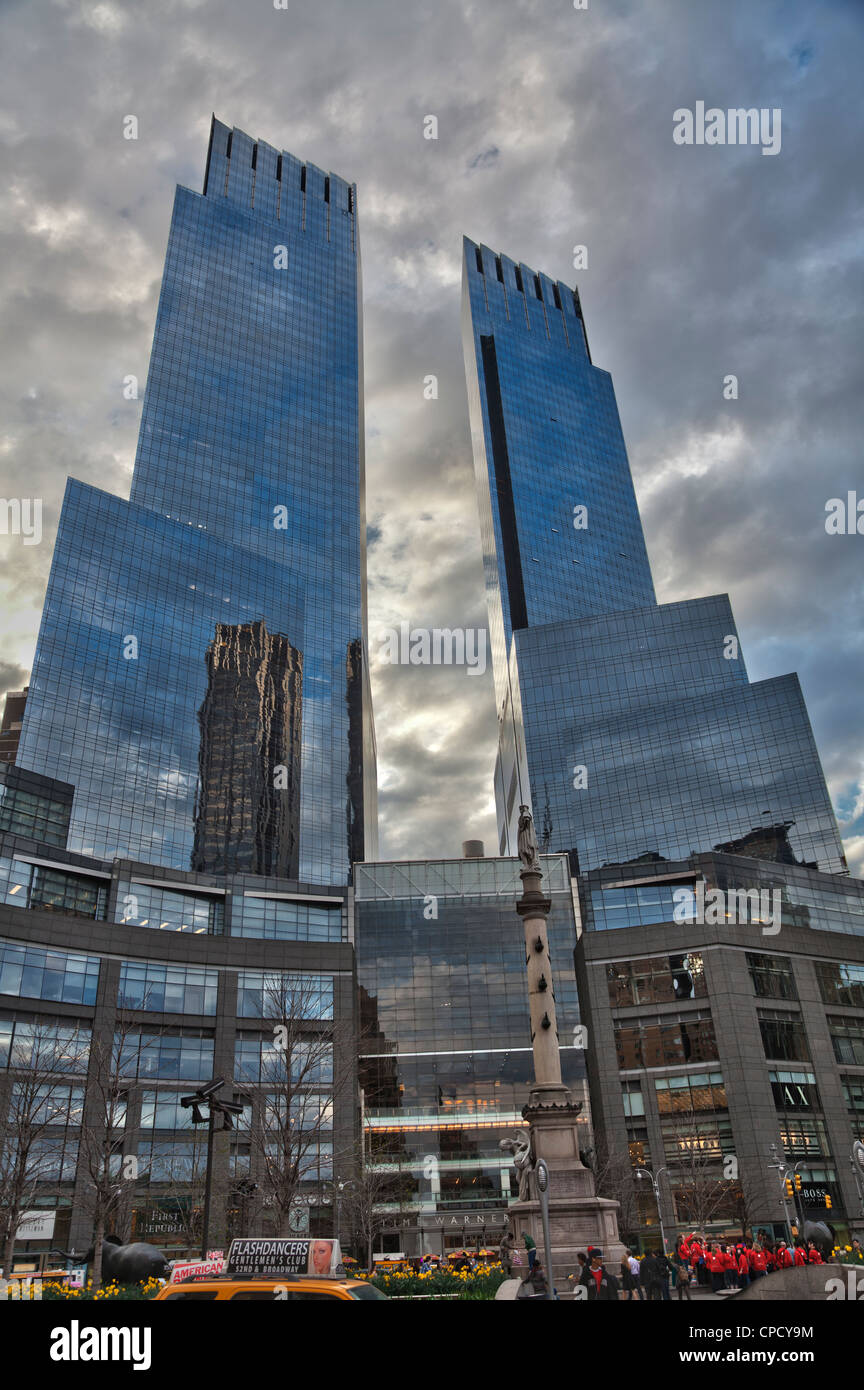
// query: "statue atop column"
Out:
[527,841]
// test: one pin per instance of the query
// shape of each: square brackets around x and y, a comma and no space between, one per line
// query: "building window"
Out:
[794,1090]
[804,1138]
[656,980]
[32,816]
[166,909]
[46,889]
[666,1042]
[38,1044]
[281,919]
[56,1111]
[841,984]
[614,908]
[261,1059]
[847,1039]
[170,1161]
[168,1056]
[853,1090]
[265,995]
[784,1039]
[29,972]
[690,1141]
[634,1101]
[695,1091]
[171,989]
[772,976]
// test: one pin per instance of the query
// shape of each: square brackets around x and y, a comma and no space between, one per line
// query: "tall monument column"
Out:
[577,1216]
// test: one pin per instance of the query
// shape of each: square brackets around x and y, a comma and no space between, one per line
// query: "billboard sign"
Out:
[284,1255]
[196,1269]
[36,1225]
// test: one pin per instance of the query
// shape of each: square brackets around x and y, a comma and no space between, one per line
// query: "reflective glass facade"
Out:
[33,806]
[201,674]
[630,727]
[446,1058]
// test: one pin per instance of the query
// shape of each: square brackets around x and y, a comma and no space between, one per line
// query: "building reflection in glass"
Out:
[247,815]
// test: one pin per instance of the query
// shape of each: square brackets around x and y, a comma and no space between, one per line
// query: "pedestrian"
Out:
[697,1259]
[730,1268]
[582,1259]
[800,1255]
[856,1254]
[630,1278]
[682,1283]
[716,1266]
[813,1256]
[743,1267]
[783,1258]
[531,1247]
[653,1276]
[534,1284]
[505,1253]
[758,1262]
[596,1279]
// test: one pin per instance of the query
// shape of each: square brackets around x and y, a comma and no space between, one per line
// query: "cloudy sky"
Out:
[554,129]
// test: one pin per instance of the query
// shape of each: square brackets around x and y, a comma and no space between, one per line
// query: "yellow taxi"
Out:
[296,1288]
[278,1269]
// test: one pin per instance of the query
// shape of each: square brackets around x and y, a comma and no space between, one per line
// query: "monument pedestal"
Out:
[577,1216]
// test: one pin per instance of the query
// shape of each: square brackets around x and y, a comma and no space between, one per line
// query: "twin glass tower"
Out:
[201,675]
[630,727]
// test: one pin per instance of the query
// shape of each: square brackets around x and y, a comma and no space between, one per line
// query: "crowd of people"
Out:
[715,1264]
[734,1266]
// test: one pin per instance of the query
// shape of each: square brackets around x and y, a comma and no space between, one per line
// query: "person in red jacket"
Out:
[730,1268]
[783,1258]
[800,1255]
[743,1268]
[715,1265]
[813,1256]
[758,1263]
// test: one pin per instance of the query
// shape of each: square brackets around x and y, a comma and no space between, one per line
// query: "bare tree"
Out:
[110,1175]
[42,1092]
[696,1171]
[298,1085]
[615,1178]
[367,1197]
[181,1190]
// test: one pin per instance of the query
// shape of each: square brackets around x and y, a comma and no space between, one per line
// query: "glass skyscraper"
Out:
[630,727]
[201,674]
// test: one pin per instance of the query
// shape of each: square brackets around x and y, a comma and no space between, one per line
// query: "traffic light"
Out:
[828,1203]
[790,1190]
[797,1182]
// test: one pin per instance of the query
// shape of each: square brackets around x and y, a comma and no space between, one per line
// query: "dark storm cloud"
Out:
[554,129]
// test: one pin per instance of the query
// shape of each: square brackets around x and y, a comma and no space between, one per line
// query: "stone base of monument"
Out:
[577,1216]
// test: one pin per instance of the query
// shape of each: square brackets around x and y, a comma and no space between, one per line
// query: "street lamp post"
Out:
[857,1161]
[542,1177]
[783,1172]
[206,1098]
[653,1179]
